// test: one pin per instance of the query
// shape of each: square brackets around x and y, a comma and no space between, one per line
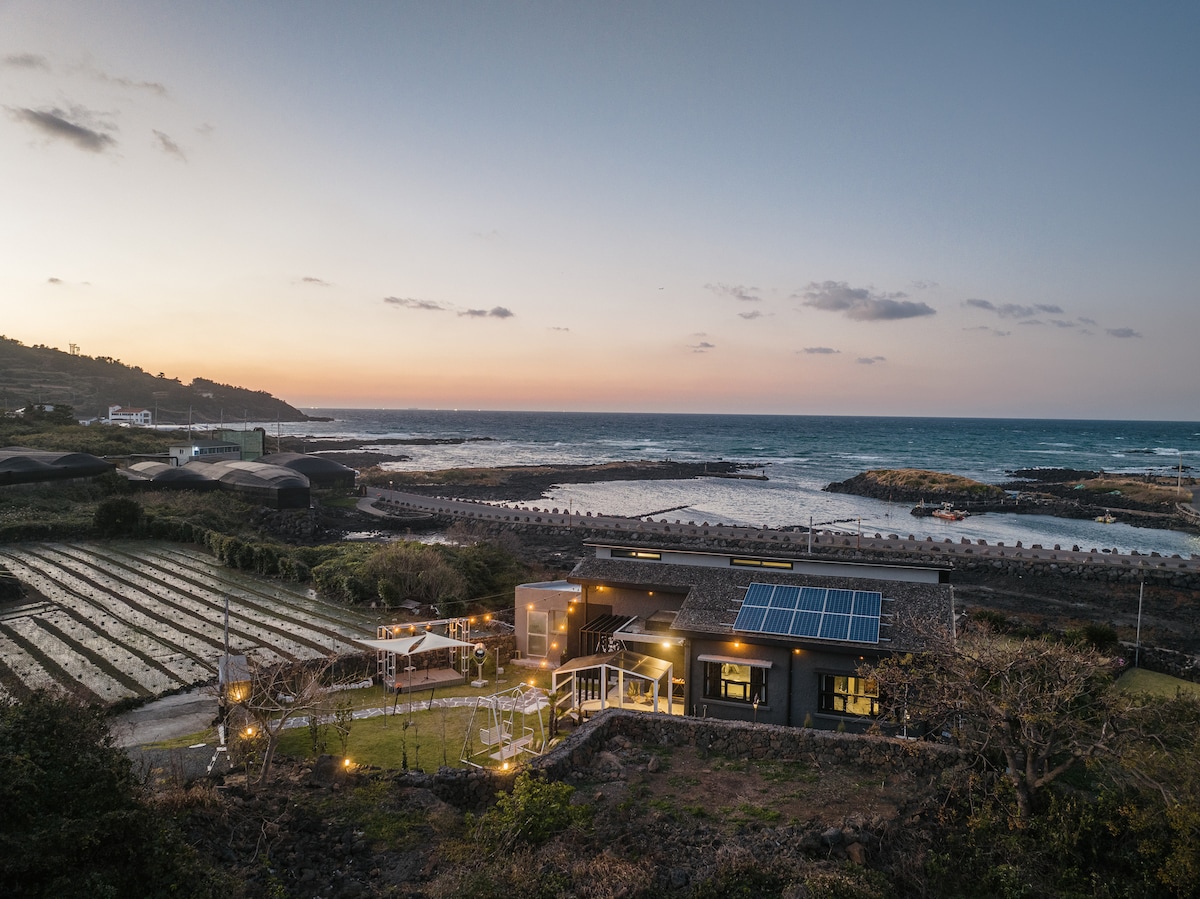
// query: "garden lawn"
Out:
[424,739]
[1138,680]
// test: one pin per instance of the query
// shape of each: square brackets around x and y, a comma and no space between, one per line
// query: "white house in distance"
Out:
[130,415]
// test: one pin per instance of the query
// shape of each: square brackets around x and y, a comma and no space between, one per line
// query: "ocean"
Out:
[800,455]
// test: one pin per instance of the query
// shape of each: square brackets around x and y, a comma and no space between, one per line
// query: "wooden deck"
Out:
[427,679]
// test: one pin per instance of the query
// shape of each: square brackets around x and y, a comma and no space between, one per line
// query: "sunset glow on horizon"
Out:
[797,208]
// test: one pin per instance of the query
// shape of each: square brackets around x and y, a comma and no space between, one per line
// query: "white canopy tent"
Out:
[409,646]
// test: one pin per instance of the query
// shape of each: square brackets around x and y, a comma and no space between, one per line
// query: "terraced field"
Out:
[121,619]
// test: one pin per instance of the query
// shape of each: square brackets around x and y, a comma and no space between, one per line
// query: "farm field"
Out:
[108,621]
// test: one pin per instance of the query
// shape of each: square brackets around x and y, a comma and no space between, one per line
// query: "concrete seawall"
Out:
[1079,563]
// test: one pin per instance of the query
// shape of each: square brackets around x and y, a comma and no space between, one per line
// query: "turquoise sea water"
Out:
[800,455]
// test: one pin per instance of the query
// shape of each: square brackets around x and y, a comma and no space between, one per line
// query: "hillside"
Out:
[41,374]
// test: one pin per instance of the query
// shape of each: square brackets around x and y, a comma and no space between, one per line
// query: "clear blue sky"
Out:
[866,208]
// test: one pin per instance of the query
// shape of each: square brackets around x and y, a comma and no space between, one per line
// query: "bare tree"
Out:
[281,692]
[1030,708]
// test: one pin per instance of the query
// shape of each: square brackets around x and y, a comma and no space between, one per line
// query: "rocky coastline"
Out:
[1061,492]
[523,483]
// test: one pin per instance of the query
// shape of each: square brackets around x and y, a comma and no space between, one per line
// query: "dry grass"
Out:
[920,479]
[1137,490]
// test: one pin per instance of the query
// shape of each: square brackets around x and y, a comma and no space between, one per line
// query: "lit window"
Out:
[635,554]
[734,682]
[849,695]
[760,563]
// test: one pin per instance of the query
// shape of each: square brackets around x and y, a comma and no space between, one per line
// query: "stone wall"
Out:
[739,740]
[474,788]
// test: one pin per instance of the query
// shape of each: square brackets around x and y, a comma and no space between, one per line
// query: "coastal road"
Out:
[386,503]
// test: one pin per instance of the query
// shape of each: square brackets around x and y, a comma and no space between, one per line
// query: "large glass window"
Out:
[845,694]
[734,682]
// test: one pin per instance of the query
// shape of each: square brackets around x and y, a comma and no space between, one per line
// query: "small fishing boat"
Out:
[1106,518]
[949,513]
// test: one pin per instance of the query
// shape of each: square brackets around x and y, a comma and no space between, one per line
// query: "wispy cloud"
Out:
[1122,333]
[169,146]
[869,360]
[26,61]
[990,330]
[316,282]
[58,124]
[54,280]
[820,350]
[559,328]
[735,292]
[155,87]
[924,285]
[432,306]
[1014,310]
[411,303]
[702,347]
[861,303]
[494,312]
[751,315]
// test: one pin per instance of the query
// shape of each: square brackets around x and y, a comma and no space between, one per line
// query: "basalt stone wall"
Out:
[465,788]
[734,739]
[474,788]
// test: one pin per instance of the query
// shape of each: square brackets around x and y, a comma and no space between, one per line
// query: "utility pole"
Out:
[1137,646]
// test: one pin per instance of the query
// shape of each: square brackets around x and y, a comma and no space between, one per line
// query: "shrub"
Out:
[119,516]
[531,814]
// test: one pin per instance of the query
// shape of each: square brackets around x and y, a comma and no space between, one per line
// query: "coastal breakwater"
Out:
[1098,564]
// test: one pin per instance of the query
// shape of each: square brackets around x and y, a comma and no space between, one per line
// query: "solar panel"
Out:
[806,624]
[863,629]
[811,612]
[758,595]
[835,627]
[812,598]
[785,597]
[778,621]
[750,618]
[867,603]
[839,602]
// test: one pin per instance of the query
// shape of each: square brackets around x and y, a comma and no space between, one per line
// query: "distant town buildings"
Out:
[130,415]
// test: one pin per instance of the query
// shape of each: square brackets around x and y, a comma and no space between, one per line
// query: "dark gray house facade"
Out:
[773,639]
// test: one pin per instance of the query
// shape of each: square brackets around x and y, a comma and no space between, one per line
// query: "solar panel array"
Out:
[819,612]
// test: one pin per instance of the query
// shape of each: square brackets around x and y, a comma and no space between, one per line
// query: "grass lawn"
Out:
[424,739]
[1138,680]
[431,738]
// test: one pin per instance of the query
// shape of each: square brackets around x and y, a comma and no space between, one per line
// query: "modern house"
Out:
[774,639]
[130,415]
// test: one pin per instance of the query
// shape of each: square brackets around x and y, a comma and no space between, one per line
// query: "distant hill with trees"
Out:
[90,384]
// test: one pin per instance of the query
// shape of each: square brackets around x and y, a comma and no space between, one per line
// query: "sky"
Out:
[863,208]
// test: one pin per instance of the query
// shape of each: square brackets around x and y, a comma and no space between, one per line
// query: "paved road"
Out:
[380,502]
[167,718]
